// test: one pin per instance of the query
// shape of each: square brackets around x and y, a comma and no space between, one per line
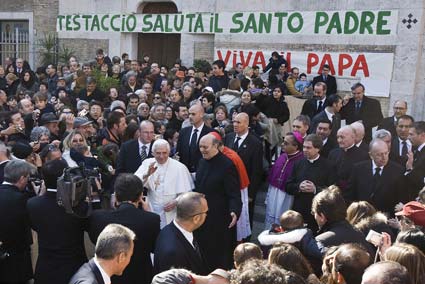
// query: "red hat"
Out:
[415,211]
[216,135]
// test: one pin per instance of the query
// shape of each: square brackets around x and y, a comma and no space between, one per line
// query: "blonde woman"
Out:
[74,139]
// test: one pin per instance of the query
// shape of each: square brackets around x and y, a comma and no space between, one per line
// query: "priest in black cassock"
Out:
[309,176]
[217,178]
[344,157]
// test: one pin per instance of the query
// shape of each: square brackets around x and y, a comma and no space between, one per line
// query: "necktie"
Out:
[320,107]
[196,247]
[333,122]
[357,107]
[236,144]
[376,178]
[404,149]
[194,140]
[324,78]
[377,172]
[143,155]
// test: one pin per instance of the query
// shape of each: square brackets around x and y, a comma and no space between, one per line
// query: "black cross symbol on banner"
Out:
[409,21]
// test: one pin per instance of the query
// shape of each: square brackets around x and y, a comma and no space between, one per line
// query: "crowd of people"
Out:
[176,157]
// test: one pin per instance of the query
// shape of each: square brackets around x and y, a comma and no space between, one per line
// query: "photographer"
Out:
[60,235]
[15,130]
[15,231]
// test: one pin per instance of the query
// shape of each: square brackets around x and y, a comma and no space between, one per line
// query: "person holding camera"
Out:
[15,231]
[60,235]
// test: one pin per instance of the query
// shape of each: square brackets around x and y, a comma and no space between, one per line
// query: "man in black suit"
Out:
[309,176]
[331,113]
[415,166]
[250,150]
[323,130]
[4,158]
[15,231]
[176,245]
[217,178]
[60,235]
[360,107]
[377,180]
[128,192]
[188,143]
[401,145]
[326,78]
[359,133]
[389,123]
[114,248]
[134,152]
[317,104]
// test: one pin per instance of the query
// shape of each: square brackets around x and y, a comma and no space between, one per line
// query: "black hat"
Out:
[47,118]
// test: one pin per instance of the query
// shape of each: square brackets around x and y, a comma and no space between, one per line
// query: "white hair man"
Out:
[165,179]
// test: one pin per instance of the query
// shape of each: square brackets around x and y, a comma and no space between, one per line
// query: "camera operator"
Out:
[15,231]
[60,235]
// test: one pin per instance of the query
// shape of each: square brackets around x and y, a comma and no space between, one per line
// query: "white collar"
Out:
[315,159]
[105,276]
[329,115]
[7,183]
[2,162]
[350,147]
[421,146]
[188,235]
[199,128]
[325,141]
[374,166]
[322,100]
[141,144]
[242,136]
[358,144]
[407,141]
[52,190]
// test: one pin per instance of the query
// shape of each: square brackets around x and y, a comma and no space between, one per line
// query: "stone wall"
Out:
[16,6]
[85,48]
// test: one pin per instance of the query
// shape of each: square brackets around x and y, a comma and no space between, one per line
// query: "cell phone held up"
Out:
[374,238]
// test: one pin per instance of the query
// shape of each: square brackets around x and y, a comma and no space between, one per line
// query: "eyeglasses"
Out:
[157,98]
[76,141]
